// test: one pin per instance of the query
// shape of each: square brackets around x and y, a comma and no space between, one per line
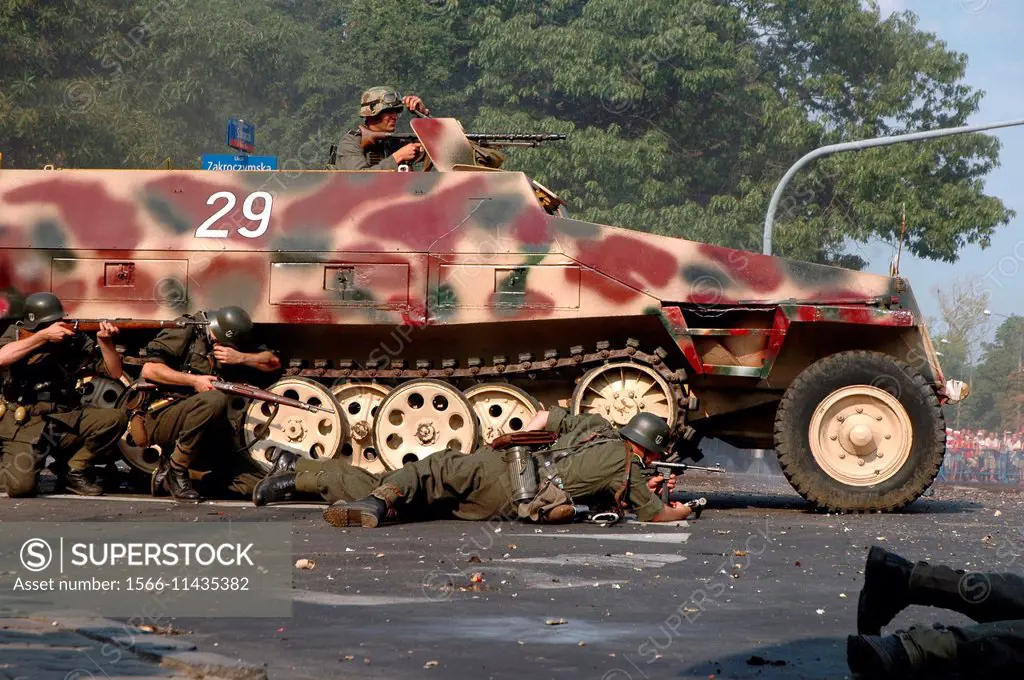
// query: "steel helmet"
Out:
[41,308]
[230,325]
[647,430]
[379,99]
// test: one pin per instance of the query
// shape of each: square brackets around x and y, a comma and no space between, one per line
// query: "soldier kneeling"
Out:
[589,462]
[41,413]
[195,356]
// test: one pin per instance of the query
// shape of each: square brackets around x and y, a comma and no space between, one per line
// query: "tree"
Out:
[682,115]
[999,379]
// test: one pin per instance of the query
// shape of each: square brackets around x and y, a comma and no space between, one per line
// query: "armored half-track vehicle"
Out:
[443,308]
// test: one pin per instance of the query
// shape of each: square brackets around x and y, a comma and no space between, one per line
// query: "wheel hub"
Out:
[360,430]
[294,429]
[426,433]
[860,435]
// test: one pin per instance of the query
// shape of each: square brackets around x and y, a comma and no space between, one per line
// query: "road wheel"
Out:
[501,408]
[860,431]
[421,417]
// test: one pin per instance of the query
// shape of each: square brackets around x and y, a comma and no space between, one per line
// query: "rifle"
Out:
[93,325]
[370,137]
[247,391]
[666,469]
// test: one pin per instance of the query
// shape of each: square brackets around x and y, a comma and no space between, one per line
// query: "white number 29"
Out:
[206,229]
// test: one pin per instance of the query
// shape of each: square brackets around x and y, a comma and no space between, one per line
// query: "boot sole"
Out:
[342,516]
[84,493]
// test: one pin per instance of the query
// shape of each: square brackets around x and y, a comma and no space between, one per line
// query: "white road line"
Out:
[335,600]
[639,538]
[204,504]
[653,561]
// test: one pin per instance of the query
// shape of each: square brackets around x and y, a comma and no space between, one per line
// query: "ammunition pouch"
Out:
[137,428]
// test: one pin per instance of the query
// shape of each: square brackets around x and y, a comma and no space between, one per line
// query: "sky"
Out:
[989,32]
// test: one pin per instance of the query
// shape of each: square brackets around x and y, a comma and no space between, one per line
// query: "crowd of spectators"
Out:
[983,457]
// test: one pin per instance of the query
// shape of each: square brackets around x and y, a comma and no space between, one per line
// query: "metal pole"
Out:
[773,207]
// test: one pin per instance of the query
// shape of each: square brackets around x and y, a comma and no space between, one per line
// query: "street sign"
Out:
[227,161]
[241,135]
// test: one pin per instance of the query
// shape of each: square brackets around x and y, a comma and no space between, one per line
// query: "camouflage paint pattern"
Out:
[460,247]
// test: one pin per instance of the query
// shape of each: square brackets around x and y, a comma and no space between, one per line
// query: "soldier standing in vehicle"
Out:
[594,464]
[195,357]
[41,412]
[380,108]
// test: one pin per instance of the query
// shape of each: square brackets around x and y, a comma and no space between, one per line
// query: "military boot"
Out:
[283,461]
[874,657]
[886,590]
[159,476]
[274,489]
[78,482]
[366,512]
[179,484]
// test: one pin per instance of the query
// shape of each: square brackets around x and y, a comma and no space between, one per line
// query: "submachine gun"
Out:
[665,469]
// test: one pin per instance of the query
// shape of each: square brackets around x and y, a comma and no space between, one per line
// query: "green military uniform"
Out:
[198,423]
[989,649]
[479,486]
[55,423]
[351,156]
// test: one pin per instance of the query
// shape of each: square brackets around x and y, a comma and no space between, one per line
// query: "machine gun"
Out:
[666,469]
[93,325]
[369,137]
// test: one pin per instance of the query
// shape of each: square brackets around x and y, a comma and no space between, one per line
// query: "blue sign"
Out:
[227,161]
[241,135]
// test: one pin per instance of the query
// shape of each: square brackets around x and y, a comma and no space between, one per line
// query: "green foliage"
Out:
[997,395]
[682,114]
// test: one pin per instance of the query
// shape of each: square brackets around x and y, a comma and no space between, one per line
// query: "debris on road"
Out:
[431,664]
[556,622]
[304,564]
[761,661]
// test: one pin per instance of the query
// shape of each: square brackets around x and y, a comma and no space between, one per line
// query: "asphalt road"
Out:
[759,587]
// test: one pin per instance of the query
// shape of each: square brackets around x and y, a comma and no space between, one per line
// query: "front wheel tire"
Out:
[860,431]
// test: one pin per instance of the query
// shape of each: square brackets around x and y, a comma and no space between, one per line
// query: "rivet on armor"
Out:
[860,461]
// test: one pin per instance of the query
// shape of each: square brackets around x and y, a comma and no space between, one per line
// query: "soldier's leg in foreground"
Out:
[188,426]
[472,484]
[19,468]
[892,583]
[333,480]
[985,650]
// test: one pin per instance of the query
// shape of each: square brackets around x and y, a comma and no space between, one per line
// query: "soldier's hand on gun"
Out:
[107,330]
[408,153]
[654,483]
[203,383]
[56,332]
[414,103]
[228,355]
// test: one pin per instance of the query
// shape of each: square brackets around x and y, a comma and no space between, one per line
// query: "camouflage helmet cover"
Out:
[647,430]
[231,326]
[41,308]
[379,99]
